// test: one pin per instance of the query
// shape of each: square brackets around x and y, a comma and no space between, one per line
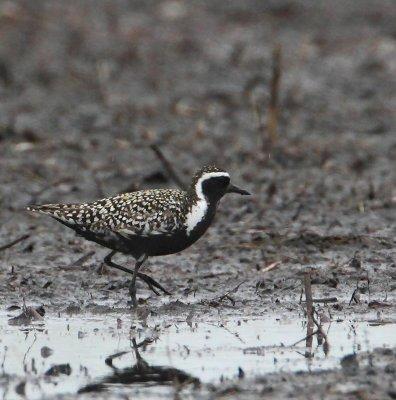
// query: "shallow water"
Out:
[210,351]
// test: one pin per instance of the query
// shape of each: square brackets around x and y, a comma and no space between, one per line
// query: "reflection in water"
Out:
[212,351]
[140,373]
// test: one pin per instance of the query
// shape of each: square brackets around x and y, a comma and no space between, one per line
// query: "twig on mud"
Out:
[168,166]
[308,295]
[271,266]
[273,110]
[82,259]
[216,301]
[135,346]
[227,294]
[28,350]
[213,275]
[325,300]
[321,335]
[309,306]
[228,330]
[353,297]
[304,338]
[14,242]
[109,359]
[301,296]
[368,286]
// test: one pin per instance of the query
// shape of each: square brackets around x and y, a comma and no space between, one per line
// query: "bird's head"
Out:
[212,183]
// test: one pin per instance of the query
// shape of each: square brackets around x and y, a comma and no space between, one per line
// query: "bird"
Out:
[147,223]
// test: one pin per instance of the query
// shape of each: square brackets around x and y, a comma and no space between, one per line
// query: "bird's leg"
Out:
[151,283]
[132,286]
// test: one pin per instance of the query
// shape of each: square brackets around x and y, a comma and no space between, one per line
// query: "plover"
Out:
[147,223]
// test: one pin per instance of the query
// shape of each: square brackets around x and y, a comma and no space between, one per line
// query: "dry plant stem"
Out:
[325,300]
[322,333]
[226,295]
[271,266]
[81,260]
[14,242]
[309,305]
[304,338]
[233,290]
[353,297]
[168,166]
[273,110]
[308,295]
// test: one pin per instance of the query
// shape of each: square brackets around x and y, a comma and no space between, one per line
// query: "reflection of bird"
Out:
[140,373]
[148,222]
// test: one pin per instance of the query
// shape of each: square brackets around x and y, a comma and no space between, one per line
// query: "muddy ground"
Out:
[86,87]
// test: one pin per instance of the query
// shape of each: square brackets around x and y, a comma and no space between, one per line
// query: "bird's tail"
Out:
[50,209]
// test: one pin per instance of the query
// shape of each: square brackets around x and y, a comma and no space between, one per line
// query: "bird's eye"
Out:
[223,181]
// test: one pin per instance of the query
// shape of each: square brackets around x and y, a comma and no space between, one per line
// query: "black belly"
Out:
[156,245]
[161,245]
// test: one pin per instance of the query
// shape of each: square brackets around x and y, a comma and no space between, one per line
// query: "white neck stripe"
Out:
[199,209]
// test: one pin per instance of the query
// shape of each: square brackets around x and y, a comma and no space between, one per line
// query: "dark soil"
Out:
[86,87]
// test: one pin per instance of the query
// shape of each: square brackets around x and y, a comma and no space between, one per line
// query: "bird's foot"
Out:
[152,284]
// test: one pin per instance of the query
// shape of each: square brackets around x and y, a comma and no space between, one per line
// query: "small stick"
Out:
[212,275]
[271,266]
[273,110]
[14,242]
[82,259]
[167,165]
[308,295]
[368,286]
[234,290]
[321,332]
[304,338]
[353,298]
[309,305]
[216,301]
[326,300]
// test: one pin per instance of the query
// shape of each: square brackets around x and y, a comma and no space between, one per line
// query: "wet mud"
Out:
[93,95]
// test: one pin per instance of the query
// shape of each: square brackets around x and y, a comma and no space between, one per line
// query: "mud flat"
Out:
[83,105]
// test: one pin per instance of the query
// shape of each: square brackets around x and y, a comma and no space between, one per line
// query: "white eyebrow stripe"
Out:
[208,175]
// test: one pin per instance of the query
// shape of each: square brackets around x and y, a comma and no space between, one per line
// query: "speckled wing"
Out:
[143,213]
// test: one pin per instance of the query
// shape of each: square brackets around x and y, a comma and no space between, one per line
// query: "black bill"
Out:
[236,189]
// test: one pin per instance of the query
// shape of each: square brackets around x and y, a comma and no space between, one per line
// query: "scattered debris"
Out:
[28,315]
[60,369]
[226,296]
[168,166]
[46,352]
[83,259]
[14,242]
